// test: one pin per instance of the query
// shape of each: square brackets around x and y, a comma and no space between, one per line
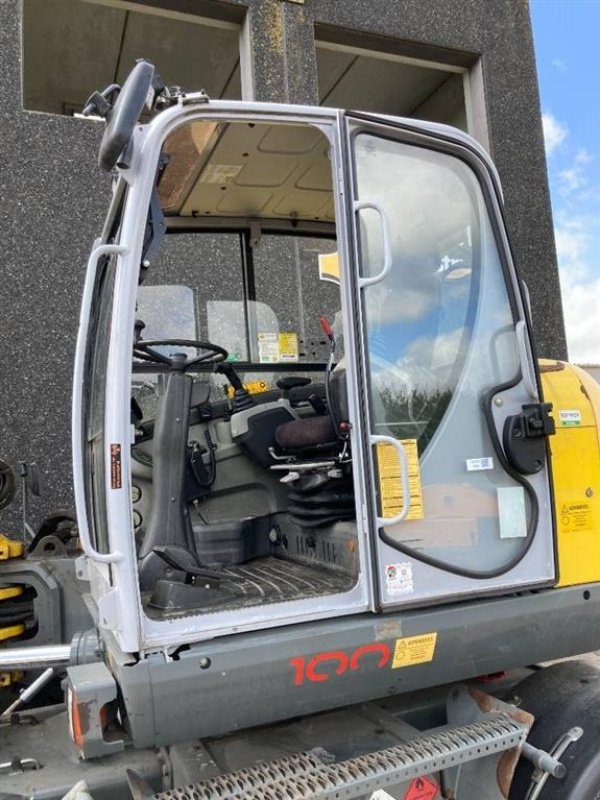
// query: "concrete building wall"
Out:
[53,198]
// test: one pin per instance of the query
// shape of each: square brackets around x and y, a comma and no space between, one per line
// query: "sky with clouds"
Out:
[566,42]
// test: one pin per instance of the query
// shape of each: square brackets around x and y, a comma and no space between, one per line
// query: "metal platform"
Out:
[308,777]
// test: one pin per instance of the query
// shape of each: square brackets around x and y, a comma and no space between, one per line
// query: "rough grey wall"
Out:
[500,32]
[52,202]
[53,198]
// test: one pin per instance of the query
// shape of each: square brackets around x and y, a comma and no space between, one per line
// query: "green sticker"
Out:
[570,417]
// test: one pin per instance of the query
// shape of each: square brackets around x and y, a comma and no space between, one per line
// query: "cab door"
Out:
[458,506]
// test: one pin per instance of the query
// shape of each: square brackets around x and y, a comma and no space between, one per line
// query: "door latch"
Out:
[524,437]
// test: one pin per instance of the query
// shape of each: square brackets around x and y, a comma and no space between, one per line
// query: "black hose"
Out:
[7,484]
[516,476]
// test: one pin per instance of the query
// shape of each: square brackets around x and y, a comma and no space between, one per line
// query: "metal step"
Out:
[307,777]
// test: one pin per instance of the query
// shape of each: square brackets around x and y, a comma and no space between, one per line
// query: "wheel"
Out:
[562,697]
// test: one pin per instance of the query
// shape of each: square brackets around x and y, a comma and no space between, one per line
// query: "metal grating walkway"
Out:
[306,777]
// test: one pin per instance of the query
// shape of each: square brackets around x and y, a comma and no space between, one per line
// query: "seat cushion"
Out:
[306,434]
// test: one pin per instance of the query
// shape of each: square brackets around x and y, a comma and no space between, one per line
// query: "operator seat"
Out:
[319,467]
[321,435]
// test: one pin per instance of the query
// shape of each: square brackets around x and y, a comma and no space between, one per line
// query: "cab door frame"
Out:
[454,143]
[120,612]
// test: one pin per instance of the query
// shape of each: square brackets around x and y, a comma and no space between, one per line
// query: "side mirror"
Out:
[125,113]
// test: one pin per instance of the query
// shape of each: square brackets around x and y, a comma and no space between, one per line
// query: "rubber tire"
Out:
[561,697]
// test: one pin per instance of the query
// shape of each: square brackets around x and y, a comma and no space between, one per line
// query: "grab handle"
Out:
[359,205]
[402,457]
[77,432]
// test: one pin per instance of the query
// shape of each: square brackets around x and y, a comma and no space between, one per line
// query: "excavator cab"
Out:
[304,384]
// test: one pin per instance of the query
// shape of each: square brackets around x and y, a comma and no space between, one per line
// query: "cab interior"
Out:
[242,488]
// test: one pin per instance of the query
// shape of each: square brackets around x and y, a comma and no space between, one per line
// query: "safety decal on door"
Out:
[390,480]
[399,578]
[115,466]
[422,789]
[478,464]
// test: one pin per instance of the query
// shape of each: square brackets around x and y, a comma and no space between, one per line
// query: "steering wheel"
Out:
[145,351]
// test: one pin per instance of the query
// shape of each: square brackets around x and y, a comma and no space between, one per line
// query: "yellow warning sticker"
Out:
[414,650]
[329,267]
[276,347]
[253,387]
[576,517]
[390,481]
[288,347]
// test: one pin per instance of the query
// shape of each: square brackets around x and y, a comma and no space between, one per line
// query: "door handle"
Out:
[399,447]
[77,432]
[359,205]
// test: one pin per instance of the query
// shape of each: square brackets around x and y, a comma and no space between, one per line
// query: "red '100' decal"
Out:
[322,666]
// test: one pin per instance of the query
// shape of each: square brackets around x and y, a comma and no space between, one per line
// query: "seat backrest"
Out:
[338,393]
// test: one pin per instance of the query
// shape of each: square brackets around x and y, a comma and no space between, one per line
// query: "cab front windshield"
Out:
[262,302]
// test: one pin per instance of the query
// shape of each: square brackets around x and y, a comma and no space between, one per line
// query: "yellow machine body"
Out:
[9,549]
[575,450]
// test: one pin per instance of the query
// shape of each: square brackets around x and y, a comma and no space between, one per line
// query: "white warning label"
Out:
[399,578]
[570,416]
[477,464]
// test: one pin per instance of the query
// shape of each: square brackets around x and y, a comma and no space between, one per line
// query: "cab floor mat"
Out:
[268,580]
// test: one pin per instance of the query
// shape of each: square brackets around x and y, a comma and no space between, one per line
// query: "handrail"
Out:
[399,447]
[359,205]
[77,432]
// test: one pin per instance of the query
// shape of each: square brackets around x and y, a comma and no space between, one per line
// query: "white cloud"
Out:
[580,285]
[559,64]
[573,178]
[554,133]
[572,241]
[438,351]
[581,302]
[583,156]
